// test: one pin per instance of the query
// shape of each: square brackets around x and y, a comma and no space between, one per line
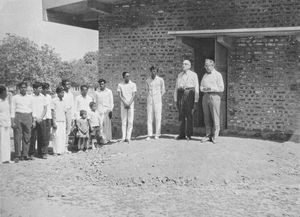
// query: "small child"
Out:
[95,120]
[83,126]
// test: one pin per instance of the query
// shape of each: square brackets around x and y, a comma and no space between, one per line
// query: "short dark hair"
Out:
[124,73]
[101,80]
[36,85]
[84,86]
[45,86]
[59,89]
[91,104]
[22,83]
[2,89]
[152,68]
[64,81]
[82,112]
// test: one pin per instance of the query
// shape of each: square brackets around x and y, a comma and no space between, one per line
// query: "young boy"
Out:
[59,117]
[95,121]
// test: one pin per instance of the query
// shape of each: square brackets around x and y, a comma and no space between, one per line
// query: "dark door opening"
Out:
[209,48]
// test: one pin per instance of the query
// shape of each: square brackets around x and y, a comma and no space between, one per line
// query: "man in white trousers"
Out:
[155,88]
[127,90]
[105,105]
[4,126]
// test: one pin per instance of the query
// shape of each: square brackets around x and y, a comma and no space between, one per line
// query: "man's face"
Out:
[126,77]
[23,89]
[60,95]
[209,67]
[46,91]
[3,95]
[186,66]
[37,91]
[67,85]
[153,73]
[84,91]
[102,85]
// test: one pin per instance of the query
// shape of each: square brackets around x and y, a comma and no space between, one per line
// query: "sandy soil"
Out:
[236,177]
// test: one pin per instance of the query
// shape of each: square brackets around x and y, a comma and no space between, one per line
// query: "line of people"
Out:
[34,117]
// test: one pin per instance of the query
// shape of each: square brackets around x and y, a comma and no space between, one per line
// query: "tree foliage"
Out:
[22,59]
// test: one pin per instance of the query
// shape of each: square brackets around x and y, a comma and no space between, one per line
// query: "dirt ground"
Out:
[165,177]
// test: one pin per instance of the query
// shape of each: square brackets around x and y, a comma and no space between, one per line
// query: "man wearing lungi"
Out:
[4,126]
[212,85]
[186,97]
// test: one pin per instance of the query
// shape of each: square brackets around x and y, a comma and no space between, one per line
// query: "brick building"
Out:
[255,44]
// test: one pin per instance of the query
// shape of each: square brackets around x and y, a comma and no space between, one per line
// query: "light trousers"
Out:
[154,107]
[59,143]
[4,144]
[127,116]
[211,103]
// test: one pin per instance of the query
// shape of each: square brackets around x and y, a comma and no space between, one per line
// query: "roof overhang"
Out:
[226,36]
[80,13]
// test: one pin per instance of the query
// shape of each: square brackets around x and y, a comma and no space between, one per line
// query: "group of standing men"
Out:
[33,116]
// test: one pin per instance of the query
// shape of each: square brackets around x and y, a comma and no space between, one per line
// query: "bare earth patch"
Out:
[165,177]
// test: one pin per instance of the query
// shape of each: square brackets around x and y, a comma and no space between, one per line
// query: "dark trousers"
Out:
[185,100]
[41,134]
[22,132]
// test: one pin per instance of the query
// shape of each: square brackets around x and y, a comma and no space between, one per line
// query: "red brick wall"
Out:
[135,37]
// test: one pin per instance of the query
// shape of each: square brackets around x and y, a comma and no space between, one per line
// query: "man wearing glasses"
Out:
[212,85]
[186,97]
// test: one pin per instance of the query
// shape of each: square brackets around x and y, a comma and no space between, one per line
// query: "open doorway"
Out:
[209,48]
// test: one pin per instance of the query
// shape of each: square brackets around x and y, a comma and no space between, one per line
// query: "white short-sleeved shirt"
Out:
[38,104]
[22,104]
[48,113]
[94,118]
[104,100]
[82,103]
[127,89]
[60,108]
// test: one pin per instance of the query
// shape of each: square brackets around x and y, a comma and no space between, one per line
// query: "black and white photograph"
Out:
[149,108]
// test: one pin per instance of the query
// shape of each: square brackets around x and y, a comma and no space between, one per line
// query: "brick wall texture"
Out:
[263,72]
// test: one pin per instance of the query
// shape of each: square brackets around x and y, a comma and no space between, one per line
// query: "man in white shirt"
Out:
[4,126]
[39,105]
[105,105]
[82,101]
[212,85]
[155,88]
[47,120]
[69,100]
[127,90]
[22,121]
[186,97]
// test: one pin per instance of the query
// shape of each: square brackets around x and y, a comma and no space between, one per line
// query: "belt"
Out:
[212,93]
[186,88]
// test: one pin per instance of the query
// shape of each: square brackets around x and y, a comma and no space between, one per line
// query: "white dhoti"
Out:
[154,107]
[4,144]
[127,121]
[59,142]
[105,126]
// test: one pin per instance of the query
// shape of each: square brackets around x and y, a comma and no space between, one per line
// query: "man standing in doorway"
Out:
[212,85]
[127,90]
[21,121]
[69,101]
[186,97]
[155,88]
[105,105]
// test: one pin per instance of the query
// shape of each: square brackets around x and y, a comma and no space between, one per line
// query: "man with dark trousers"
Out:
[38,112]
[212,86]
[21,120]
[186,97]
